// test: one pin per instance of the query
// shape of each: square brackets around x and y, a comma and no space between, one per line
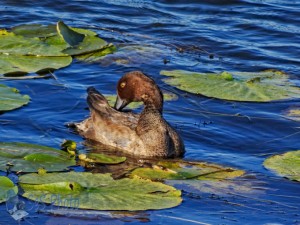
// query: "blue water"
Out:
[211,36]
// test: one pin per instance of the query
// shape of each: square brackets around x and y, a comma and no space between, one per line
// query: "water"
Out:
[215,36]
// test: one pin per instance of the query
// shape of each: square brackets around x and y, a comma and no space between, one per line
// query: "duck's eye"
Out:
[123,84]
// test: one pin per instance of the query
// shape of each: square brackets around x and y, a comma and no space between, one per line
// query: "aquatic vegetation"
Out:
[286,165]
[10,98]
[182,170]
[133,105]
[101,158]
[98,191]
[27,157]
[293,114]
[35,48]
[7,189]
[263,86]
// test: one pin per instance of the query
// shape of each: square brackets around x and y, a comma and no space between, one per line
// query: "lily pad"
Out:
[134,105]
[263,86]
[70,36]
[181,170]
[101,158]
[11,64]
[33,48]
[286,165]
[98,191]
[10,98]
[7,189]
[294,114]
[27,157]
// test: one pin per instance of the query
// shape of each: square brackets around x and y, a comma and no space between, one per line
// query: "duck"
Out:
[144,135]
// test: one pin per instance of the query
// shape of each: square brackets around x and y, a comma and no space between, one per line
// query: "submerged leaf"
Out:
[181,170]
[99,191]
[286,165]
[30,158]
[10,98]
[239,86]
[7,189]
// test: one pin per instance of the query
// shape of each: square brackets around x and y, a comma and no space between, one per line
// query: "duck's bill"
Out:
[120,103]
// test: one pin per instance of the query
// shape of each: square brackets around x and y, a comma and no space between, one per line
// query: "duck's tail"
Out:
[96,100]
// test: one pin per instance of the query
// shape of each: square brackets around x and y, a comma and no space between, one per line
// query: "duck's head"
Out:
[137,87]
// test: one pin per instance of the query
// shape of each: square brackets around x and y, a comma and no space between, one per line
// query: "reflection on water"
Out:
[206,36]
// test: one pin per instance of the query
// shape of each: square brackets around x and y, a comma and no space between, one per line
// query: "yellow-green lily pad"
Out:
[286,165]
[10,98]
[101,158]
[98,191]
[7,189]
[263,86]
[134,105]
[182,170]
[27,157]
[294,114]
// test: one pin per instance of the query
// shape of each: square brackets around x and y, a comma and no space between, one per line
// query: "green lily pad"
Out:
[35,48]
[103,158]
[88,45]
[27,157]
[264,86]
[10,98]
[98,191]
[11,64]
[70,36]
[7,189]
[134,105]
[98,55]
[181,170]
[286,165]
[294,114]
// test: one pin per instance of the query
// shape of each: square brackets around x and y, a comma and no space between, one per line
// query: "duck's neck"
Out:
[155,101]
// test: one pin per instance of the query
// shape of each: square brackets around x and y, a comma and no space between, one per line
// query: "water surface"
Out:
[211,36]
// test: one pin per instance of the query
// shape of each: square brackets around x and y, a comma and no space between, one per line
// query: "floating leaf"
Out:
[35,30]
[133,105]
[181,170]
[294,114]
[11,64]
[98,191]
[70,36]
[29,157]
[7,189]
[239,86]
[10,98]
[35,48]
[286,165]
[98,55]
[103,158]
[88,45]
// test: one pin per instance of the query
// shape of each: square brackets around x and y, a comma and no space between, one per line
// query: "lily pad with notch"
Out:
[99,191]
[265,86]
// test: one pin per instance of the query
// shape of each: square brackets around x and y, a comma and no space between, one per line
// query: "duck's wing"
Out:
[101,109]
